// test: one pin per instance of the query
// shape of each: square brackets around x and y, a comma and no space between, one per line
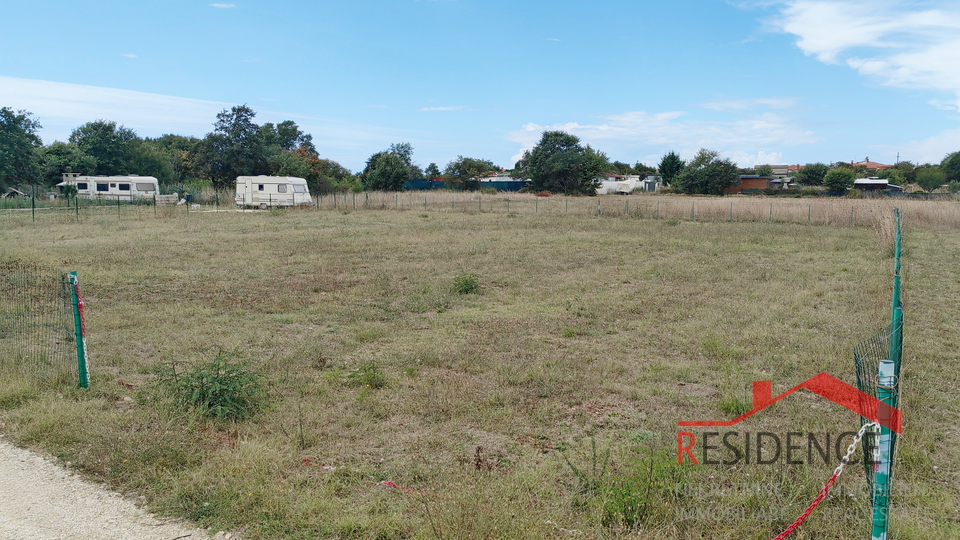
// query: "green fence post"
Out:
[851,216]
[79,331]
[886,390]
[626,207]
[118,208]
[598,207]
[33,203]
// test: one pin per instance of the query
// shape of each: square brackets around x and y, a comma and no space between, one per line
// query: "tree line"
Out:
[239,146]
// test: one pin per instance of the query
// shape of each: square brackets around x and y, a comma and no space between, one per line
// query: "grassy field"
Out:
[515,375]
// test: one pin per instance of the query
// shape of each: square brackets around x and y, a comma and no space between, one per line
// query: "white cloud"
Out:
[929,150]
[224,6]
[552,39]
[451,108]
[130,55]
[741,139]
[903,44]
[61,107]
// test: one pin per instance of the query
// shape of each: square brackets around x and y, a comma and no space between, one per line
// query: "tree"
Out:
[707,174]
[643,170]
[19,148]
[764,170]
[812,174]
[326,175]
[432,171]
[465,173]
[931,178]
[405,151]
[951,166]
[892,176]
[385,171]
[560,164]
[109,144]
[670,166]
[286,136]
[233,149]
[61,157]
[839,179]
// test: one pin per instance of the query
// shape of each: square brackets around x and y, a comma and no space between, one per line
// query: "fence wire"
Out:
[36,324]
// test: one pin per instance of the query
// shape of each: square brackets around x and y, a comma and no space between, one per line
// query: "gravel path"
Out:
[39,500]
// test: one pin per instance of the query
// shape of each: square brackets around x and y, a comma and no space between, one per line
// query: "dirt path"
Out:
[39,500]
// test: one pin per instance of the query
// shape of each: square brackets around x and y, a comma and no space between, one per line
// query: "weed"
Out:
[734,406]
[222,388]
[368,375]
[466,284]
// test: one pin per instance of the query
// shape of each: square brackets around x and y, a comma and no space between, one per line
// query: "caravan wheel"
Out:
[263,206]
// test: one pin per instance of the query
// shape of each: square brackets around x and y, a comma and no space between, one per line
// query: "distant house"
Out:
[750,183]
[652,182]
[873,183]
[870,165]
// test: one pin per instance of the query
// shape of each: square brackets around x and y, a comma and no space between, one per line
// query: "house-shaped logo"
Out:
[824,385]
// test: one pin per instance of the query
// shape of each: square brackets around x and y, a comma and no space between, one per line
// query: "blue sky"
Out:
[761,81]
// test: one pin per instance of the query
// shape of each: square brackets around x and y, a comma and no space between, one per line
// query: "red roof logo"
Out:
[824,385]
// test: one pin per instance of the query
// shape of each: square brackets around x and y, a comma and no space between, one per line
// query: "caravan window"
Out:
[259,187]
[102,187]
[282,188]
[124,187]
[82,185]
[112,184]
[144,187]
[298,188]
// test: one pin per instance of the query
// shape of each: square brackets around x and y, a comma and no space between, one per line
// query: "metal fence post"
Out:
[80,331]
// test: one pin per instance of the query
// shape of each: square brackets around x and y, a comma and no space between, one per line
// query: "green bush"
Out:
[368,375]
[221,388]
[466,284]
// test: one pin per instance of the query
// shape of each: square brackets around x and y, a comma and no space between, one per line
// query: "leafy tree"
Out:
[61,157]
[931,178]
[326,175]
[670,166]
[386,171]
[109,144]
[559,163]
[764,170]
[951,166]
[286,135]
[19,148]
[620,167]
[707,174]
[892,176]
[464,172]
[909,171]
[234,148]
[643,170]
[839,179]
[432,171]
[151,159]
[405,151]
[812,174]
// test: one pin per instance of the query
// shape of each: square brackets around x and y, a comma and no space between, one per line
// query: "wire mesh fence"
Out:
[840,212]
[37,335]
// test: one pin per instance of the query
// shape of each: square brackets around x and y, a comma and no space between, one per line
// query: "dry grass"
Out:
[584,329]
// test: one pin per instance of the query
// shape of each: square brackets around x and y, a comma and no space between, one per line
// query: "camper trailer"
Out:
[266,191]
[113,188]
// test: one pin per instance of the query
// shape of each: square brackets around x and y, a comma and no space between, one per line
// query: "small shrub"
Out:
[368,375]
[734,406]
[218,389]
[466,284]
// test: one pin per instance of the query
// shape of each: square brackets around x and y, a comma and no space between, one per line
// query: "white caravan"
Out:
[123,188]
[266,191]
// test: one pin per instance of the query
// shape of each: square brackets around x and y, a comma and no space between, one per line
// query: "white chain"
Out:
[853,446]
